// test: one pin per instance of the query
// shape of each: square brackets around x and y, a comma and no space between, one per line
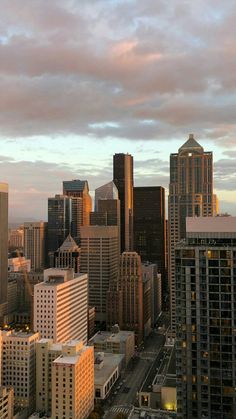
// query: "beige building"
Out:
[18,366]
[107,369]
[61,305]
[66,377]
[73,382]
[99,258]
[117,342]
[19,264]
[16,238]
[6,402]
[190,195]
[35,244]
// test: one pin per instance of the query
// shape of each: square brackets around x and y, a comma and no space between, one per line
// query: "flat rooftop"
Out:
[205,226]
[105,336]
[111,362]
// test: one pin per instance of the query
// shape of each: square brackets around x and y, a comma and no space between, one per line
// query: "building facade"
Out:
[190,195]
[59,222]
[123,179]
[18,366]
[35,242]
[79,189]
[61,305]
[150,227]
[73,382]
[68,255]
[6,402]
[3,244]
[100,259]
[206,319]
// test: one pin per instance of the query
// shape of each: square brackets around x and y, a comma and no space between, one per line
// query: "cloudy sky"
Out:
[83,79]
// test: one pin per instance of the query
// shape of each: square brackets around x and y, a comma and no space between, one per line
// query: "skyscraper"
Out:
[131,284]
[104,192]
[59,221]
[190,195]
[150,227]
[206,319]
[3,245]
[68,255]
[99,259]
[123,179]
[35,240]
[79,189]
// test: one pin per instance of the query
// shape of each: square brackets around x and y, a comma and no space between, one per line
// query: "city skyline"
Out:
[111,77]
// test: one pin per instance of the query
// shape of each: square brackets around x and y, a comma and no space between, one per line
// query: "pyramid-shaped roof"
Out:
[69,244]
[191,143]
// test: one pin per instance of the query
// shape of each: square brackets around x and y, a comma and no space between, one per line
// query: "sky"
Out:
[81,80]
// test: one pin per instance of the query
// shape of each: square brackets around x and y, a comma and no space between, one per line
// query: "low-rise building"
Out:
[117,342]
[73,382]
[107,369]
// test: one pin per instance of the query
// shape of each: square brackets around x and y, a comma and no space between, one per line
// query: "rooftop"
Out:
[191,144]
[104,336]
[110,363]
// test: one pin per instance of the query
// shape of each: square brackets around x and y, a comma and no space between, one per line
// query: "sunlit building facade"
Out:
[35,242]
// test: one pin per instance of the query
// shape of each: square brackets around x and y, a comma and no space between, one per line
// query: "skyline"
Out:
[81,82]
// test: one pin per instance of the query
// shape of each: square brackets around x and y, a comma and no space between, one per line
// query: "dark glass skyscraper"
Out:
[59,221]
[123,179]
[149,226]
[3,242]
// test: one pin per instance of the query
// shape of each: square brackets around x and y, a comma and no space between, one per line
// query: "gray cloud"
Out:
[69,66]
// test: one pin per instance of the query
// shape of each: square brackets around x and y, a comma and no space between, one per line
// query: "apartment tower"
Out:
[190,195]
[3,245]
[123,179]
[206,319]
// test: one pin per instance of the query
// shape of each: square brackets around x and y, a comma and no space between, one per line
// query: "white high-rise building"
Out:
[18,366]
[61,305]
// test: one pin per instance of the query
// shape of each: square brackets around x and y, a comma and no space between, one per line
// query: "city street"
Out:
[124,394]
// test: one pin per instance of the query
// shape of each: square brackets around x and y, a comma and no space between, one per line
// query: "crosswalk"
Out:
[120,409]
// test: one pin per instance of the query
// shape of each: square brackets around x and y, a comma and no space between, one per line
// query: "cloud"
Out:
[67,67]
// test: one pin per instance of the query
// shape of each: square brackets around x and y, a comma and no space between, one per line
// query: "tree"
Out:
[94,415]
[120,415]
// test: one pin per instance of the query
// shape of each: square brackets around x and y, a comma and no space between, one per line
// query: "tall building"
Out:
[16,238]
[3,245]
[35,242]
[131,284]
[150,227]
[18,364]
[123,179]
[61,305]
[59,222]
[104,192]
[149,273]
[67,388]
[79,189]
[100,259]
[206,319]
[68,255]
[190,195]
